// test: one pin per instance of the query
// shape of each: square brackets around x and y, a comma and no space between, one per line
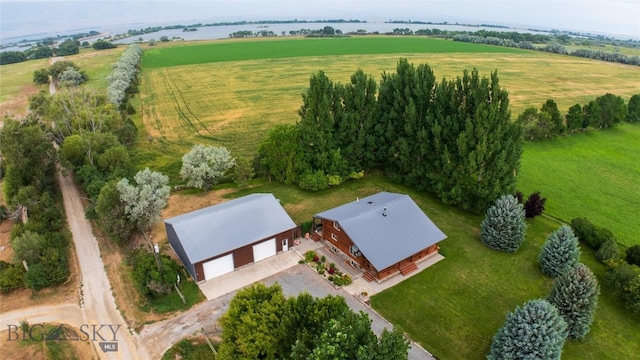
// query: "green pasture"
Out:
[595,174]
[230,50]
[454,308]
[16,79]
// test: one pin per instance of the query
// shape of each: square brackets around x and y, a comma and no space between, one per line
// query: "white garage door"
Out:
[264,250]
[218,267]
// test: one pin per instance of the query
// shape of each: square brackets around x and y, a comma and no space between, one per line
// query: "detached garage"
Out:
[219,239]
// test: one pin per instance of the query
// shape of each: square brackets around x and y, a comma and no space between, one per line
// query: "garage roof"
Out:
[221,228]
[386,227]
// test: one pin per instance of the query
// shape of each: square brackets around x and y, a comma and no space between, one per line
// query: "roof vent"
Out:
[384,213]
[369,202]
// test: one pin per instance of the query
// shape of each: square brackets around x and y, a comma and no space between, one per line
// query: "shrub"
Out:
[575,295]
[633,255]
[534,205]
[535,331]
[608,250]
[559,252]
[601,236]
[624,279]
[323,259]
[504,226]
[310,255]
[11,277]
[593,235]
[583,229]
[313,181]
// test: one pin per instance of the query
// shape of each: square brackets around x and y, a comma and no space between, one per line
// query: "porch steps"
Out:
[315,236]
[408,269]
[369,277]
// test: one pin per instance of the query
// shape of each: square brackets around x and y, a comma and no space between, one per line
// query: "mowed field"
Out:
[594,175]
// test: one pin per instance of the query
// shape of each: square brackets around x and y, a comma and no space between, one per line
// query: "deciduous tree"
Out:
[504,227]
[144,201]
[575,118]
[575,295]
[534,331]
[633,109]
[204,165]
[559,252]
[41,76]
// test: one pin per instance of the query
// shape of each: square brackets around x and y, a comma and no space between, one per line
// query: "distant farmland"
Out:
[277,49]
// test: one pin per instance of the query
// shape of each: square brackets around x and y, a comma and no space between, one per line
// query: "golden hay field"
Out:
[235,103]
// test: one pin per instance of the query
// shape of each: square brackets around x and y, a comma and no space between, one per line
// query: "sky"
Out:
[611,17]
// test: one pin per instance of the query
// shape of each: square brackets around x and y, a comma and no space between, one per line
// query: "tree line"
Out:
[41,51]
[452,138]
[603,112]
[262,324]
[540,327]
[40,239]
[551,47]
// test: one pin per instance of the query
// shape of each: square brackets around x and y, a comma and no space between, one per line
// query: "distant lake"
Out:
[223,32]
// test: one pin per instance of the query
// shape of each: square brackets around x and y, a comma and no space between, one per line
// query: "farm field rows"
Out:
[234,103]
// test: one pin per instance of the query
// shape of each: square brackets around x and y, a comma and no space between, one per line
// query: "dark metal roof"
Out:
[386,227]
[221,228]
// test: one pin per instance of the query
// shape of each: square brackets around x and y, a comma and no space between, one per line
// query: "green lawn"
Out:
[454,308]
[275,49]
[594,174]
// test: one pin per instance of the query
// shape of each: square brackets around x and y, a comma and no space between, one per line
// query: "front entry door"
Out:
[285,245]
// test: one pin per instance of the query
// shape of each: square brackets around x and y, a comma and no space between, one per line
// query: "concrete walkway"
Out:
[255,272]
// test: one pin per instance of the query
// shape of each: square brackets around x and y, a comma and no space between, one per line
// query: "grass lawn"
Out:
[455,307]
[594,174]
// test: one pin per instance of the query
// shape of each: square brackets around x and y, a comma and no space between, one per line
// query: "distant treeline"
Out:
[496,38]
[41,51]
[133,32]
[444,23]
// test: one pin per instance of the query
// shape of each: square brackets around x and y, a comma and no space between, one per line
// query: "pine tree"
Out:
[575,294]
[559,252]
[535,331]
[504,227]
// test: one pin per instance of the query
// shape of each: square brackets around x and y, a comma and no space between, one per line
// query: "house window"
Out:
[354,264]
[336,225]
[333,249]
[334,237]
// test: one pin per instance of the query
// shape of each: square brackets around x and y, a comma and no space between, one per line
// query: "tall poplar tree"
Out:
[478,145]
[353,129]
[403,132]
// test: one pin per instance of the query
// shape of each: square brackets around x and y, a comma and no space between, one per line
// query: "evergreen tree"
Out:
[504,227]
[535,331]
[560,252]
[575,295]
